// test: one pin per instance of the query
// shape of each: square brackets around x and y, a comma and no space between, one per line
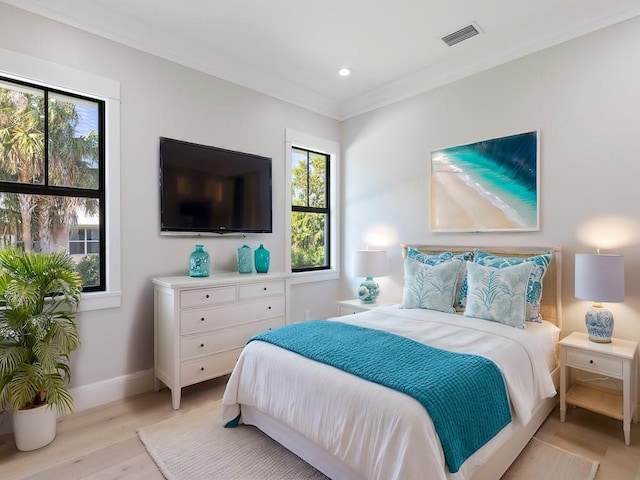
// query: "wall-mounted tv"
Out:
[209,190]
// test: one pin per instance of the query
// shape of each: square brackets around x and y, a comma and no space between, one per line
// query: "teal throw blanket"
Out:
[464,394]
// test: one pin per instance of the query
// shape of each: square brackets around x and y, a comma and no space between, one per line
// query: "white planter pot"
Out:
[34,428]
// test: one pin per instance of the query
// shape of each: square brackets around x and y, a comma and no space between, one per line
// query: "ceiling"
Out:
[292,49]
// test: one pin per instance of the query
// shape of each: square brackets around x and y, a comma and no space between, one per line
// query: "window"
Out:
[310,199]
[84,241]
[312,177]
[52,159]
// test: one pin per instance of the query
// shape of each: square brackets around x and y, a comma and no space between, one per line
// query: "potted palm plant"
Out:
[39,295]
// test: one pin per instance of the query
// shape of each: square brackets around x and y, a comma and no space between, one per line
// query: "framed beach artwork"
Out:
[487,186]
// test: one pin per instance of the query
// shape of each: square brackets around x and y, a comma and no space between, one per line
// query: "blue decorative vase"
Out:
[599,323]
[199,262]
[261,257]
[244,259]
[368,291]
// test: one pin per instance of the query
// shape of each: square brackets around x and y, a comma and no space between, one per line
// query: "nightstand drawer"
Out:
[349,307]
[595,362]
[348,311]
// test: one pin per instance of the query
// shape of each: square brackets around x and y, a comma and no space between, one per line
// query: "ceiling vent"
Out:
[460,35]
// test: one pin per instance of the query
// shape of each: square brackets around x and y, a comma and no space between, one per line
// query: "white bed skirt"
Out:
[296,443]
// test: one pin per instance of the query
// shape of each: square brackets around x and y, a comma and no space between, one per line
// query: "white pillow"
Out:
[498,294]
[430,286]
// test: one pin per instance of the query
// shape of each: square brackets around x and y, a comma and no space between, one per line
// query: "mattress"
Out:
[377,432]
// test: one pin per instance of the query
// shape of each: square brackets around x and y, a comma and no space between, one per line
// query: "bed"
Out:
[351,428]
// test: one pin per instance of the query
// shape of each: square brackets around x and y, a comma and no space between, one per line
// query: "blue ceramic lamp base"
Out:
[368,291]
[599,323]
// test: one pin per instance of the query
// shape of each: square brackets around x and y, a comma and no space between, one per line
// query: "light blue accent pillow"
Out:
[445,257]
[534,286]
[430,286]
[498,294]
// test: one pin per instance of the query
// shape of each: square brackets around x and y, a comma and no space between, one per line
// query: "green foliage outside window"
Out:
[307,240]
[310,211]
[89,270]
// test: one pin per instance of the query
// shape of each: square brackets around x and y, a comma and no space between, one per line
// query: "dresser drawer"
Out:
[209,319]
[263,289]
[227,339]
[595,362]
[203,297]
[212,366]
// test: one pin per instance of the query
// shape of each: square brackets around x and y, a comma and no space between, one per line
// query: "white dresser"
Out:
[202,324]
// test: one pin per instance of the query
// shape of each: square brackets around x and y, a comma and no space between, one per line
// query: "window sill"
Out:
[100,301]
[319,276]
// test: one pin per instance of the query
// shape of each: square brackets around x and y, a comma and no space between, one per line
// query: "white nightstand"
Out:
[349,307]
[615,360]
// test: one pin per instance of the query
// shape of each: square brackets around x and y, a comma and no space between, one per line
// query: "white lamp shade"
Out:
[599,278]
[370,263]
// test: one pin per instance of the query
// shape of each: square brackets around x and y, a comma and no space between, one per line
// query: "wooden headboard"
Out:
[551,302]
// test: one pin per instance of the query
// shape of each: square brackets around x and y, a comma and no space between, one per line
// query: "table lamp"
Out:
[599,278]
[369,264]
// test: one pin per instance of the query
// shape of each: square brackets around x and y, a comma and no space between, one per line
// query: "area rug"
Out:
[543,461]
[195,446]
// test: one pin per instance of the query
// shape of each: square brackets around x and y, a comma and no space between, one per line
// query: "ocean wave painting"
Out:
[490,185]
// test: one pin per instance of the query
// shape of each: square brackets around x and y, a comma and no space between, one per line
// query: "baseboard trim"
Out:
[99,393]
[117,388]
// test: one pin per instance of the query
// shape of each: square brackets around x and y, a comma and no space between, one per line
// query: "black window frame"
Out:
[326,210]
[85,241]
[65,191]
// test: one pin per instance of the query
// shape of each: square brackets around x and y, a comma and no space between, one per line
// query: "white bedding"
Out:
[378,432]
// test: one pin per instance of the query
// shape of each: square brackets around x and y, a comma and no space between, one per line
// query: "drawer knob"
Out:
[591,361]
[202,319]
[206,296]
[265,289]
[202,345]
[202,369]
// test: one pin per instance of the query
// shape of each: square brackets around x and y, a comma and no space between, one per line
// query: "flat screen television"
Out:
[209,190]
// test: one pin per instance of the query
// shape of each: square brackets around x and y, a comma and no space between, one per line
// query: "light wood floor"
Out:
[102,443]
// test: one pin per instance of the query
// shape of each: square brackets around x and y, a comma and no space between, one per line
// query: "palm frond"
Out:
[24,386]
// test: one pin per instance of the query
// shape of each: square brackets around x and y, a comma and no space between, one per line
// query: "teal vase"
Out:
[244,259]
[199,262]
[261,258]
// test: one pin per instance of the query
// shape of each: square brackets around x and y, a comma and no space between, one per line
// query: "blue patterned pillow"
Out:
[498,294]
[445,257]
[430,286]
[429,259]
[534,287]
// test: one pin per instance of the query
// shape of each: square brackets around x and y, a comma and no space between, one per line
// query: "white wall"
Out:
[583,96]
[160,98]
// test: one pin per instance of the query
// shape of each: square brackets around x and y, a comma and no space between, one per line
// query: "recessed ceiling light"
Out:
[344,72]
